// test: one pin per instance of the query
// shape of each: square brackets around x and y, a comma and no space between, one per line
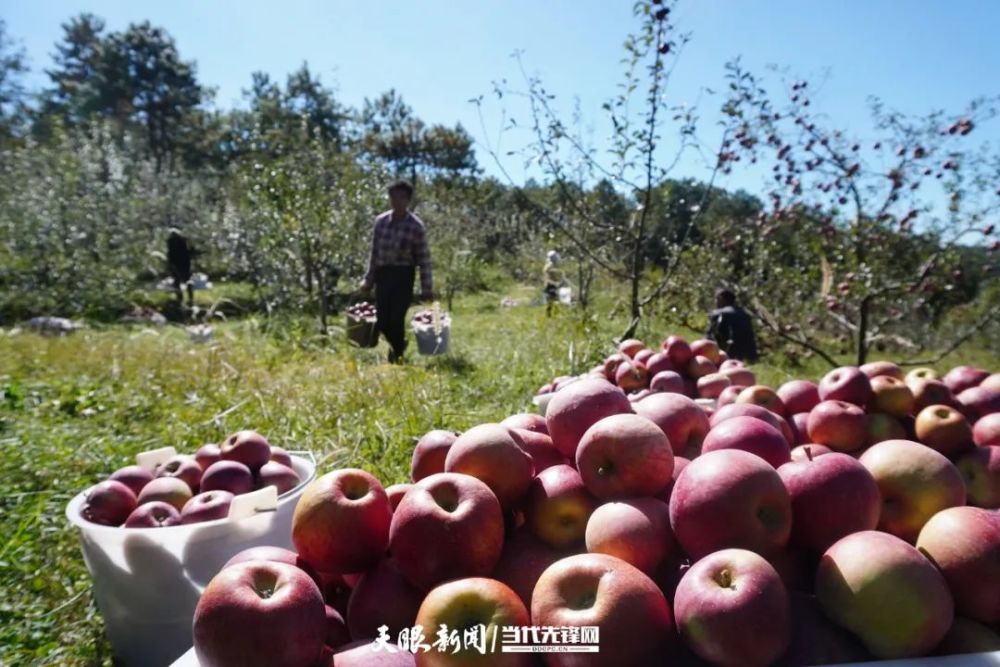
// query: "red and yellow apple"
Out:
[573,410]
[625,455]
[493,454]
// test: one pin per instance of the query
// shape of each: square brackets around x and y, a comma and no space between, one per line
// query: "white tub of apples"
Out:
[151,544]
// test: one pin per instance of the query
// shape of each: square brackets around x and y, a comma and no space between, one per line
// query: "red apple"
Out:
[154,514]
[890,396]
[454,517]
[659,362]
[558,506]
[700,366]
[260,613]
[108,503]
[886,593]
[799,423]
[611,364]
[930,392]
[637,530]
[918,374]
[247,447]
[395,494]
[739,376]
[133,477]
[763,396]
[166,489]
[523,560]
[681,420]
[493,454]
[541,449]
[526,421]
[576,408]
[809,451]
[749,410]
[728,395]
[832,496]
[341,503]
[977,402]
[960,378]
[986,431]
[667,381]
[279,455]
[184,468]
[631,376]
[799,396]
[964,544]
[882,427]
[337,634]
[876,369]
[991,382]
[980,470]
[710,386]
[838,425]
[624,455]
[382,596]
[207,506]
[733,610]
[430,452]
[207,455]
[631,347]
[847,384]
[278,475]
[678,350]
[944,429]
[279,555]
[707,348]
[625,605]
[730,498]
[915,482]
[749,434]
[643,355]
[229,476]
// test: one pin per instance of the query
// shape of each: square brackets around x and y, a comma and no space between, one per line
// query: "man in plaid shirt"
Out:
[399,245]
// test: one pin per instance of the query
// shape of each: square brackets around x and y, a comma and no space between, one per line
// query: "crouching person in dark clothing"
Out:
[399,246]
[179,264]
[731,327]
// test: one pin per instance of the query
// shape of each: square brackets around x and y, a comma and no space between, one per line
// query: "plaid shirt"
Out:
[400,243]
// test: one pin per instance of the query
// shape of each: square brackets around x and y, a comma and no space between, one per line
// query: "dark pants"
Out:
[393,294]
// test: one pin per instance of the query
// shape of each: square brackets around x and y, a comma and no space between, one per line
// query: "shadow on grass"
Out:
[452,363]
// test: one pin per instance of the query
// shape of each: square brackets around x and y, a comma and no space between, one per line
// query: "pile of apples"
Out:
[362,311]
[190,489]
[698,370]
[849,520]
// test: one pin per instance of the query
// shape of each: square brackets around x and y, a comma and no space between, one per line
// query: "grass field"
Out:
[73,409]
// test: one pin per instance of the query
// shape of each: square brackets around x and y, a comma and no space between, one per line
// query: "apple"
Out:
[260,613]
[679,464]
[638,395]
[986,431]
[170,490]
[278,555]
[108,503]
[184,468]
[964,544]
[576,408]
[637,530]
[930,392]
[365,654]
[470,603]
[207,506]
[207,455]
[395,494]
[337,634]
[133,477]
[681,420]
[977,402]
[611,364]
[815,639]
[707,348]
[721,605]
[642,355]
[968,636]
[455,518]
[247,447]
[960,378]
[756,411]
[430,452]
[631,347]
[700,366]
[847,384]
[832,496]
[710,386]
[799,423]
[728,395]
[558,506]
[919,374]
[809,451]
[876,369]
[915,482]
[493,454]
[730,498]
[631,376]
[980,469]
[346,502]
[678,350]
[632,615]
[749,434]
[885,592]
[526,421]
[540,448]
[230,476]
[739,376]
[667,381]
[280,455]
[659,362]
[522,561]
[382,596]
[624,455]
[763,396]
[991,382]
[890,396]
[278,475]
[882,427]
[839,425]
[944,429]
[155,514]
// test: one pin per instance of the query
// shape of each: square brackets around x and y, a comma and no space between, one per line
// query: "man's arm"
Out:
[369,280]
[422,258]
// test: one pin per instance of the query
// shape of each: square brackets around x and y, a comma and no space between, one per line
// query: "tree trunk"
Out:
[863,332]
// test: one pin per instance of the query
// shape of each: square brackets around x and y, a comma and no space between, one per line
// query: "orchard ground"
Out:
[74,409]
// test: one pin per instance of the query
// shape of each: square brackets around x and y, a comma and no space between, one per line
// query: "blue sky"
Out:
[918,55]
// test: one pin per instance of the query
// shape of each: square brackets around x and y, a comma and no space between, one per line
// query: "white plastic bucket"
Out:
[147,581]
[566,295]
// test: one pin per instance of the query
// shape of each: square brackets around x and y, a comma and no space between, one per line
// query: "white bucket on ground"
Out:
[147,581]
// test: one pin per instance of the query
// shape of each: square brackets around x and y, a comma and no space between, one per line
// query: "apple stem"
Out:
[809,453]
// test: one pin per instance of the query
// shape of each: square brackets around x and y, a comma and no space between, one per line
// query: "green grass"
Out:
[73,409]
